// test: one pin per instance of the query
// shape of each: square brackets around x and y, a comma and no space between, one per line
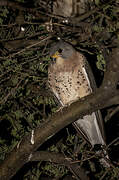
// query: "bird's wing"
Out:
[91,126]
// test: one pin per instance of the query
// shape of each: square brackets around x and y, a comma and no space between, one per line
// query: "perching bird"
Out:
[70,78]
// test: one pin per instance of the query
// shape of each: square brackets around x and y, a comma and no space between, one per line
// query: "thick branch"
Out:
[111,77]
[21,154]
[59,158]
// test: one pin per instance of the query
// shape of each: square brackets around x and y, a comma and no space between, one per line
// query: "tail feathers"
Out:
[91,128]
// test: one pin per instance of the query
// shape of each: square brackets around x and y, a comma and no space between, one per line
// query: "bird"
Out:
[70,78]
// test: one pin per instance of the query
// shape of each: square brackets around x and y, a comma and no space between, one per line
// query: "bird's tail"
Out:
[91,128]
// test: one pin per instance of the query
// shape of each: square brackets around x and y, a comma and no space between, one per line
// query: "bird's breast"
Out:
[68,86]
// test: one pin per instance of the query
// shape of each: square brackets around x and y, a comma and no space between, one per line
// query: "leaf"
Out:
[97,2]
[101,62]
[18,114]
[1,20]
[30,117]
[14,81]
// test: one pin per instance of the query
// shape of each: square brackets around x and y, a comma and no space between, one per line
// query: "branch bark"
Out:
[59,158]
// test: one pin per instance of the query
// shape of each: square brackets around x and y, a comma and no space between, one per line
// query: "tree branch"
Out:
[60,159]
[103,97]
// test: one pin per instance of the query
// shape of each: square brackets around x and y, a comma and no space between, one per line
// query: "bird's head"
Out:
[61,50]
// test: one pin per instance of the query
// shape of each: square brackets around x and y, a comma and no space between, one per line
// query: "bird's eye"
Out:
[60,51]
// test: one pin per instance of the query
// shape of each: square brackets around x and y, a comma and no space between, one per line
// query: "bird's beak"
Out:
[55,56]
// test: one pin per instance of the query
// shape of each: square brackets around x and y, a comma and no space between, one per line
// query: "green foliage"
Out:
[18,114]
[101,64]
[33,173]
[3,149]
[54,170]
[70,139]
[98,28]
[1,20]
[53,148]
[97,2]
[4,12]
